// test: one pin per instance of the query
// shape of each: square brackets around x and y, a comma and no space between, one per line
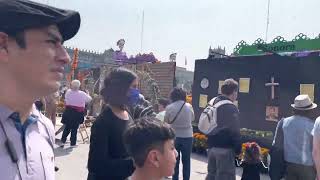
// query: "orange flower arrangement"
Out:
[264,151]
[200,141]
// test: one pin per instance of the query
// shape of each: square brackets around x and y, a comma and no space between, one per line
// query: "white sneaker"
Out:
[74,146]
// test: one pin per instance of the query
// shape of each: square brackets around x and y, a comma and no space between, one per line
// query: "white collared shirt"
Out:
[38,161]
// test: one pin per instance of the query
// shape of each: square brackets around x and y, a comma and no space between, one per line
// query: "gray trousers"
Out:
[221,164]
[300,172]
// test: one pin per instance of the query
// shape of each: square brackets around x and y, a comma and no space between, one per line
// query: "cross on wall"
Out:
[272,84]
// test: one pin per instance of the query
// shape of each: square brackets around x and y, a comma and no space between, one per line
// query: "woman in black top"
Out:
[108,159]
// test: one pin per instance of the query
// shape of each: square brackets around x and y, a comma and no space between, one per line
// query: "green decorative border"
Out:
[300,43]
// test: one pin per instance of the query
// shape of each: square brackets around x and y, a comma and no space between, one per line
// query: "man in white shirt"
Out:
[316,146]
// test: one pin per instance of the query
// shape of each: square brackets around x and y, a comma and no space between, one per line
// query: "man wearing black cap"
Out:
[32,61]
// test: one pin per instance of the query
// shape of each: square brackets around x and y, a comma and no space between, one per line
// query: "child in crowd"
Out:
[252,163]
[162,107]
[150,143]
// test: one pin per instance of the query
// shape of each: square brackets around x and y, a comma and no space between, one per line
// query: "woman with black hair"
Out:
[108,158]
[180,115]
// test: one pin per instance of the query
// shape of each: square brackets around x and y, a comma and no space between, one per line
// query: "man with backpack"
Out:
[220,121]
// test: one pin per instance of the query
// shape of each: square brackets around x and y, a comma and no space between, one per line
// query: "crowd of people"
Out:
[32,60]
[111,157]
[295,148]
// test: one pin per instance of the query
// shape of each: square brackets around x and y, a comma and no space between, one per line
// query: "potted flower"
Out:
[200,143]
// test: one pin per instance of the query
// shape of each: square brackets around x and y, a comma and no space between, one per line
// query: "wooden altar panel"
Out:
[289,72]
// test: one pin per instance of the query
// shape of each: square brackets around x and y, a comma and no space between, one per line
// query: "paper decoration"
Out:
[307,89]
[204,83]
[272,113]
[244,85]
[203,100]
[220,85]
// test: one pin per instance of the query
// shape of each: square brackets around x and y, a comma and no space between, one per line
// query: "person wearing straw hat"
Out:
[293,138]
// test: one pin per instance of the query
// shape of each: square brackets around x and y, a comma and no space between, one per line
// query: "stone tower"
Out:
[217,52]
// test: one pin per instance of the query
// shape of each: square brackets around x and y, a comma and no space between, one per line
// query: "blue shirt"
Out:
[298,140]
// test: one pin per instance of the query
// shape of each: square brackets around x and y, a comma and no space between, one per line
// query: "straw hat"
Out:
[303,102]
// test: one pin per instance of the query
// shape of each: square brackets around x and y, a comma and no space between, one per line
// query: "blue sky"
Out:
[187,27]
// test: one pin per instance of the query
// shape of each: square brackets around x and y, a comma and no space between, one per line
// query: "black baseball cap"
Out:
[16,15]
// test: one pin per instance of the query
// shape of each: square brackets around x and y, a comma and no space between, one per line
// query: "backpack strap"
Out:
[222,102]
[211,104]
[219,103]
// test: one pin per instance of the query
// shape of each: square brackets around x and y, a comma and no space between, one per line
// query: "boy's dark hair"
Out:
[178,94]
[144,135]
[164,102]
[229,86]
[116,86]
